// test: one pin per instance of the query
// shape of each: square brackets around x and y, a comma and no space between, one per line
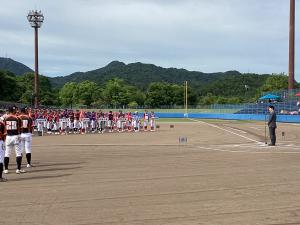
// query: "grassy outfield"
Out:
[178,120]
[227,111]
[226,121]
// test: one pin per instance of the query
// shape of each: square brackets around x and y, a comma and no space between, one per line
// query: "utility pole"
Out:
[185,96]
[292,46]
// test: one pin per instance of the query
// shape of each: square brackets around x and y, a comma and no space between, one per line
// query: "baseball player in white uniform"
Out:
[146,120]
[26,135]
[13,126]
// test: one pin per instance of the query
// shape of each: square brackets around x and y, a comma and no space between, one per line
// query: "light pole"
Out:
[36,19]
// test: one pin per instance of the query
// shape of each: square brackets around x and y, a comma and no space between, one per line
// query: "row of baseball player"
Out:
[68,121]
[16,127]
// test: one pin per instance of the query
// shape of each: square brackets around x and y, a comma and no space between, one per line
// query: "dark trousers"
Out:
[272,135]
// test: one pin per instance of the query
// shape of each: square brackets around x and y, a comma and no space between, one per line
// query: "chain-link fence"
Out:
[290,106]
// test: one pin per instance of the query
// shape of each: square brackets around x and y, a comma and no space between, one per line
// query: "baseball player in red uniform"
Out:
[76,122]
[13,127]
[49,122]
[129,122]
[71,122]
[26,135]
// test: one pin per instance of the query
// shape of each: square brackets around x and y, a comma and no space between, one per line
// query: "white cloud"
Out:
[204,35]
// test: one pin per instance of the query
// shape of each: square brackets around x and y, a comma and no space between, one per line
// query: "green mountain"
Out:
[13,66]
[137,85]
[141,75]
[227,84]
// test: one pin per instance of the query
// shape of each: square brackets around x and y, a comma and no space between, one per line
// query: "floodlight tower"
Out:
[292,46]
[36,19]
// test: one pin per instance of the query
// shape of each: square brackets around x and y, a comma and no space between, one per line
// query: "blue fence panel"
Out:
[170,115]
[258,117]
[288,118]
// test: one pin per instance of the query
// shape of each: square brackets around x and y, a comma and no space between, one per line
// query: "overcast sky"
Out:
[202,35]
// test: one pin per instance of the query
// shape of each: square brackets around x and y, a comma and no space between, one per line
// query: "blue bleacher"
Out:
[286,107]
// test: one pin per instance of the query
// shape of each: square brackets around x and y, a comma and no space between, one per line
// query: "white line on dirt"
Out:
[291,146]
[249,152]
[229,131]
[55,145]
[234,129]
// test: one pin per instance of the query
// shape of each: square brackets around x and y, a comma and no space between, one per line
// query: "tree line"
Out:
[118,93]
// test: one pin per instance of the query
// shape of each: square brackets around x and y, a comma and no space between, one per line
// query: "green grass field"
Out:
[229,111]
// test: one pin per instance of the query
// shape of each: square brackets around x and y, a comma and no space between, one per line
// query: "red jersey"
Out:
[77,114]
[12,125]
[50,118]
[57,118]
[81,115]
[129,117]
[26,124]
[2,132]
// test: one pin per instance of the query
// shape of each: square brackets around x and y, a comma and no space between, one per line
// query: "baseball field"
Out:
[222,174]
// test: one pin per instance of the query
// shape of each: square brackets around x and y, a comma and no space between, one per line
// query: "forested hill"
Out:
[13,66]
[138,84]
[141,75]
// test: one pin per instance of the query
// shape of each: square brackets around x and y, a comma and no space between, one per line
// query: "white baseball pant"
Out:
[26,140]
[12,143]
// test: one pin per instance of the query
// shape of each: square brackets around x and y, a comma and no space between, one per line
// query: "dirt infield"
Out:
[224,174]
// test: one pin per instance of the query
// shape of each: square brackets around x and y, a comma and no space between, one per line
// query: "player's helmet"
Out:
[12,109]
[23,110]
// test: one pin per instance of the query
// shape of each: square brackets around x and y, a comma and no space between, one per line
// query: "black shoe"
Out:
[271,144]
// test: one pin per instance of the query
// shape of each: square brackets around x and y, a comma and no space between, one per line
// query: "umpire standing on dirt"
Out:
[272,125]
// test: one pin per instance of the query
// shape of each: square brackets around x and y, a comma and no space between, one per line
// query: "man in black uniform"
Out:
[272,125]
